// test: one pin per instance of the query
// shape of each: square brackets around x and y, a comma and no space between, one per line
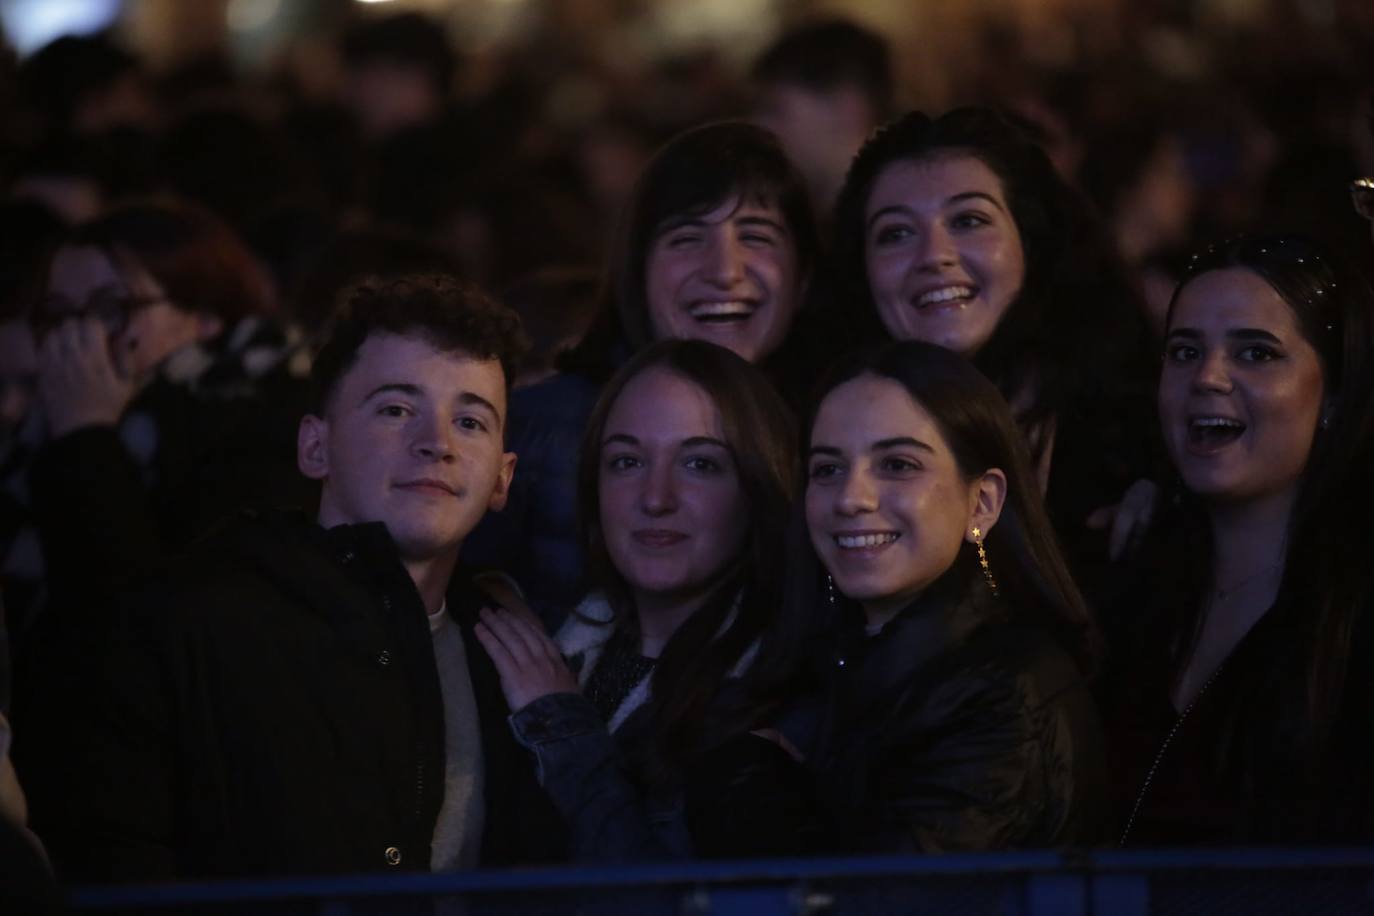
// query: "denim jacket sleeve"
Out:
[583,771]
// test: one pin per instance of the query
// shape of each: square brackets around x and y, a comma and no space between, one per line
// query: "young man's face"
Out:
[412,438]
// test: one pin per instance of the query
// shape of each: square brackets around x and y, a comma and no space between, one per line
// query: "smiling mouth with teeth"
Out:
[947,295]
[860,541]
[722,312]
[1214,431]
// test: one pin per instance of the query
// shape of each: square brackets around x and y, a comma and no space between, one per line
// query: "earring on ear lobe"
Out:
[983,560]
[830,590]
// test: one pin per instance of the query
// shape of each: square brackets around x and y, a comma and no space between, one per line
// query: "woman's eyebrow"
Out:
[899,442]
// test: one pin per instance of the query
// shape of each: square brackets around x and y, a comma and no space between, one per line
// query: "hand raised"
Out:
[78,384]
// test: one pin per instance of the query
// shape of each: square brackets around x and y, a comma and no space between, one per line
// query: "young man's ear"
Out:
[501,492]
[312,447]
[988,494]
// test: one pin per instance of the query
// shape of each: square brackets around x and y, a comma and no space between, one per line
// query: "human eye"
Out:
[394,410]
[1180,353]
[622,462]
[474,424]
[703,464]
[759,236]
[681,238]
[969,219]
[892,233]
[898,464]
[1258,353]
[823,470]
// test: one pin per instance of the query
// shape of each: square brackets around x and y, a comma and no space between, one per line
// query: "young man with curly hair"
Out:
[308,697]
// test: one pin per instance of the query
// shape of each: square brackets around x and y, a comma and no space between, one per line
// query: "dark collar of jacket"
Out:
[938,621]
[345,574]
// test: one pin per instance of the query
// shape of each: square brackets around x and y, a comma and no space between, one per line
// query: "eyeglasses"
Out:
[1362,196]
[113,308]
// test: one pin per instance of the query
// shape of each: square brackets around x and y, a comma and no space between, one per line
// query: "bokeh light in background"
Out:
[30,24]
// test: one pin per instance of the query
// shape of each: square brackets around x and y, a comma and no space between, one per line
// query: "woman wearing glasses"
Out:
[164,388]
[1241,704]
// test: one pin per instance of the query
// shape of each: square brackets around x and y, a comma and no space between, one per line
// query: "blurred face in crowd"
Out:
[1241,393]
[673,511]
[820,129]
[943,253]
[387,96]
[18,376]
[887,505]
[728,276]
[412,438]
[144,326]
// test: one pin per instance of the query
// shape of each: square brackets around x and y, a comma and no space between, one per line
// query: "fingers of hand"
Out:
[500,655]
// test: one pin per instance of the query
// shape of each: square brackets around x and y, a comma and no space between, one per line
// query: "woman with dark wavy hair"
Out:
[958,231]
[716,244]
[1240,696]
[686,478]
[935,622]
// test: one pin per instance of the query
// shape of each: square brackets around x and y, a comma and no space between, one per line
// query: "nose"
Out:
[434,438]
[725,262]
[937,248]
[659,496]
[1212,373]
[857,494]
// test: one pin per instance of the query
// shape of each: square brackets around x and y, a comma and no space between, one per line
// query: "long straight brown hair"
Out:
[760,434]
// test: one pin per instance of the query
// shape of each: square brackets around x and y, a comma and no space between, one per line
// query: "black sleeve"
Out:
[94,517]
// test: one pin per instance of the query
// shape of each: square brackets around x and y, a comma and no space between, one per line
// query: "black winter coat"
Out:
[958,728]
[275,709]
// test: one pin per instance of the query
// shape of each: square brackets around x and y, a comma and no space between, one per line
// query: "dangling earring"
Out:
[983,561]
[830,589]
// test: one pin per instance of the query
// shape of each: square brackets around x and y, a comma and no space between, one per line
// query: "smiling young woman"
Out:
[957,230]
[685,483]
[934,620]
[1238,698]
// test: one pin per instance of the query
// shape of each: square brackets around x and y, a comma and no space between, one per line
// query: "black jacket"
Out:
[275,709]
[108,519]
[958,728]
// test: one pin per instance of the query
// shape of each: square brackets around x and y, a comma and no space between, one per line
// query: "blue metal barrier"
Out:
[1011,884]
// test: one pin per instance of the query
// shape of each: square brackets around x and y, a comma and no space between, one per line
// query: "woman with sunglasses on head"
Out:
[685,480]
[958,231]
[717,244]
[165,389]
[1240,700]
[945,645]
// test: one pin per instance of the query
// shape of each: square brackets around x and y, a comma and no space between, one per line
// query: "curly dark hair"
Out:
[443,310]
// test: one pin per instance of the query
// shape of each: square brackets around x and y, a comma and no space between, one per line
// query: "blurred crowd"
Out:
[186,250]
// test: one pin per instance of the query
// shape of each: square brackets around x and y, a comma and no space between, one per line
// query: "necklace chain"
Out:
[1159,756]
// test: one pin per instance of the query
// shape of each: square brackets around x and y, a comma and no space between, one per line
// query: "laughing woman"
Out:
[1240,703]
[957,230]
[951,644]
[686,477]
